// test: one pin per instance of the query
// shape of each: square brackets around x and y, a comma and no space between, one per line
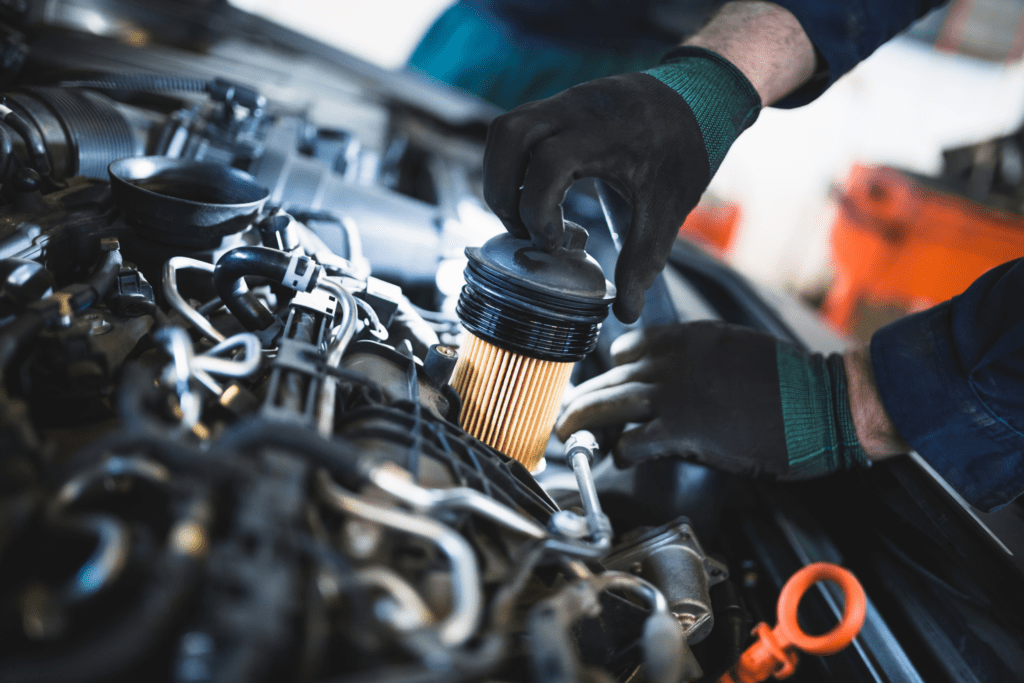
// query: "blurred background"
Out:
[889,193]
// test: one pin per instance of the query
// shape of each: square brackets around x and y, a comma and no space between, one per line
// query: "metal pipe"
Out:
[579,454]
[178,303]
[105,563]
[467,600]
[408,600]
[182,369]
[394,480]
[343,333]
[318,249]
[224,367]
[580,450]
[112,467]
[633,585]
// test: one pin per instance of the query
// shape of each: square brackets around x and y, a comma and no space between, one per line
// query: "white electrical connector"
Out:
[301,282]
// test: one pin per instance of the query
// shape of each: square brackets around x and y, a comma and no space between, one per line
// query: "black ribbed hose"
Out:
[218,89]
[151,83]
[229,279]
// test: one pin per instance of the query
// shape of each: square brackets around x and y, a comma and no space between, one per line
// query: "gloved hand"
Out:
[722,395]
[656,137]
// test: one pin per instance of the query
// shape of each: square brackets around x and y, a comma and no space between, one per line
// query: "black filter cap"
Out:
[541,304]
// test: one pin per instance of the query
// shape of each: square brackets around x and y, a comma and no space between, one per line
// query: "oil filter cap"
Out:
[541,304]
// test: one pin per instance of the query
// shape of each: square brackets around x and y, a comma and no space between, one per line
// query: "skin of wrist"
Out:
[876,432]
[765,42]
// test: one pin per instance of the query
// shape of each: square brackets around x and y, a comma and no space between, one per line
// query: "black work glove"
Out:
[722,395]
[656,137]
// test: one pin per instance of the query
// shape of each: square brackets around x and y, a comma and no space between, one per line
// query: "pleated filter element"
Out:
[510,401]
[529,314]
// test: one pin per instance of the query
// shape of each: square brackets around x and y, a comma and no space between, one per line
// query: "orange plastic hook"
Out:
[774,653]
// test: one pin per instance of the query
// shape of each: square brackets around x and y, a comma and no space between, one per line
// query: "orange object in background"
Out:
[775,652]
[712,223]
[899,244]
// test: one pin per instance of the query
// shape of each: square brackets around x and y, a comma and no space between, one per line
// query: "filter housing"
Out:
[531,314]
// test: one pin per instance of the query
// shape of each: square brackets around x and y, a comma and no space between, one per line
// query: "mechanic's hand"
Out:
[656,137]
[722,395]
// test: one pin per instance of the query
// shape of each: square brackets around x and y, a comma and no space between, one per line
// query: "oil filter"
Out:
[530,314]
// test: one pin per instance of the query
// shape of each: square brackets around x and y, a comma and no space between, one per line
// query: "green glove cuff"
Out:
[820,436]
[723,101]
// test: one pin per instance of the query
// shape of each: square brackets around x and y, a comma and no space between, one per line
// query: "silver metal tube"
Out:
[467,600]
[634,585]
[318,249]
[112,467]
[394,480]
[177,343]
[107,560]
[580,451]
[178,302]
[344,332]
[403,594]
[224,367]
[585,481]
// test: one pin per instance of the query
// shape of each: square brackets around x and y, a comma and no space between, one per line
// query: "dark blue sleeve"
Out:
[952,380]
[846,32]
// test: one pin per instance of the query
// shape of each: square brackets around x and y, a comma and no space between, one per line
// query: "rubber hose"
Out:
[336,456]
[6,153]
[153,83]
[229,279]
[36,146]
[102,281]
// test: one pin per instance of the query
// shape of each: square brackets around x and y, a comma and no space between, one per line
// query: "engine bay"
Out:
[230,443]
[233,452]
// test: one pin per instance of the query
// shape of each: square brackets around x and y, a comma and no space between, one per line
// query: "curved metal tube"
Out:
[467,600]
[632,584]
[107,560]
[344,331]
[112,467]
[318,249]
[398,588]
[178,303]
[223,367]
[394,480]
[181,369]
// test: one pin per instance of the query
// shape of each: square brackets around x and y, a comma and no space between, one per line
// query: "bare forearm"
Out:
[765,42]
[877,434]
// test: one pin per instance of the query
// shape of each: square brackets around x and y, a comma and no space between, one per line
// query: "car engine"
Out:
[242,275]
[230,446]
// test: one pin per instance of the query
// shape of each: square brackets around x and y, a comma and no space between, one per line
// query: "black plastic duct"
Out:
[185,203]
